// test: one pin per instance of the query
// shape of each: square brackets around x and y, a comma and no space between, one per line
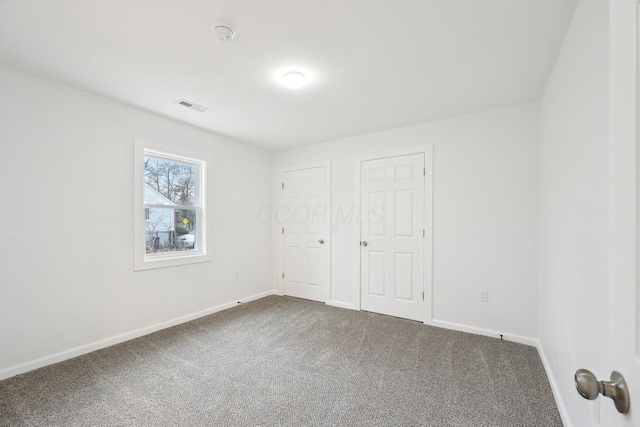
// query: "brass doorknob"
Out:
[589,387]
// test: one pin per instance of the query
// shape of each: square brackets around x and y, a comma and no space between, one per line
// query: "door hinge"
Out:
[283,185]
[283,278]
[423,295]
[423,233]
[424,171]
[282,230]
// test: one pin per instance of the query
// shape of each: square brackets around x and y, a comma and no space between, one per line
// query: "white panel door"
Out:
[392,236]
[624,198]
[304,214]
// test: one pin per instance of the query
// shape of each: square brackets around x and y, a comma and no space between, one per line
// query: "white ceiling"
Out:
[373,64]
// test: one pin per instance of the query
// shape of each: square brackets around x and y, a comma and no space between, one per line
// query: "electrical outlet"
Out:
[335,228]
[236,276]
[484,296]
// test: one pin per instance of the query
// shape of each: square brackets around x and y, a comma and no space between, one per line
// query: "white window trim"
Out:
[142,261]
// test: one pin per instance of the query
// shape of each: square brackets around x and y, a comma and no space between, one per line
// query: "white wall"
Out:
[66,276]
[573,229]
[484,214]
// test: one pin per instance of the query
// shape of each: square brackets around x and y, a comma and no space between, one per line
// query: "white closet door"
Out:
[392,233]
[304,211]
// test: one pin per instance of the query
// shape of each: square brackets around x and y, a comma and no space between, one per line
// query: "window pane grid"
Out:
[161,206]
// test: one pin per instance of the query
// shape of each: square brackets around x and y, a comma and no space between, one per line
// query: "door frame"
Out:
[427,278]
[326,227]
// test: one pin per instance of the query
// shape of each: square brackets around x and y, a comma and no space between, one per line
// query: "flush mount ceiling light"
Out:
[224,33]
[294,79]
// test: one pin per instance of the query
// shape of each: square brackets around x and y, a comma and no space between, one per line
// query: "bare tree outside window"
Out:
[175,181]
[169,192]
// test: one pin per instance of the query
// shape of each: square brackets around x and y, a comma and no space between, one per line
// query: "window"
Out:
[170,211]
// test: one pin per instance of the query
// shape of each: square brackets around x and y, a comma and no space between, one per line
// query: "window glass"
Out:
[170,188]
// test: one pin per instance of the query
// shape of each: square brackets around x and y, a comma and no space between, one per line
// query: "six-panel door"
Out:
[304,214]
[392,260]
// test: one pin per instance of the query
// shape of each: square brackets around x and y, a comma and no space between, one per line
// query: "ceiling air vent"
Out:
[191,105]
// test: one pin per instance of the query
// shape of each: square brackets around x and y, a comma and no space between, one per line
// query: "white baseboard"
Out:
[562,408]
[117,339]
[486,332]
[347,305]
[258,296]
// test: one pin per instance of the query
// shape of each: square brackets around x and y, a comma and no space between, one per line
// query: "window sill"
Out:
[169,261]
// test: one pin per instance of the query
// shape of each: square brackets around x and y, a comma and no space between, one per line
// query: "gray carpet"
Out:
[282,361]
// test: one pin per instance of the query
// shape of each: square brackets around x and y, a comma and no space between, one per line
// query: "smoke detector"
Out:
[224,33]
